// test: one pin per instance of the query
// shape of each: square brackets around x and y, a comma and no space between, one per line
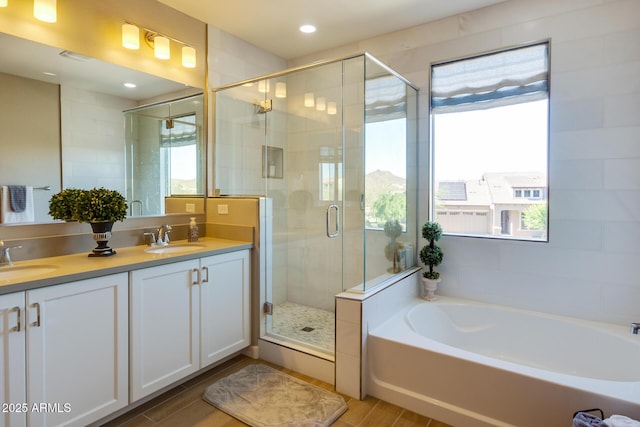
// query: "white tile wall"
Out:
[93,128]
[589,267]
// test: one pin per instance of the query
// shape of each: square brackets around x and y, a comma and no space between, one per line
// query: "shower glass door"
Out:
[304,133]
[297,138]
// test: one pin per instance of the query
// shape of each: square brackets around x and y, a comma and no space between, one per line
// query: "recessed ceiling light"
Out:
[308,29]
[130,85]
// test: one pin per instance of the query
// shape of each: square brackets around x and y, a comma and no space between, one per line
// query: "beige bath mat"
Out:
[262,396]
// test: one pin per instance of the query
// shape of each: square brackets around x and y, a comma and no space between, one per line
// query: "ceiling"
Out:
[32,60]
[273,24]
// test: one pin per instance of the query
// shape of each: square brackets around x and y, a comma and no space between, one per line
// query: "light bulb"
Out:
[321,103]
[332,108]
[263,86]
[4,3]
[130,36]
[281,90]
[161,47]
[45,10]
[309,100]
[188,57]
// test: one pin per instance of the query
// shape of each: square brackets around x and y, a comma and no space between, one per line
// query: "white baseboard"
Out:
[316,367]
[252,352]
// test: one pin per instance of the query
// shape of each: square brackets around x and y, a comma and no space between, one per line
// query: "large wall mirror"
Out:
[69,121]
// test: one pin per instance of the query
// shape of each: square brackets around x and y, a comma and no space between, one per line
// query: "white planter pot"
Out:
[429,287]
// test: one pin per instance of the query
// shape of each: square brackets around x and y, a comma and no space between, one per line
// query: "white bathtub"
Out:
[472,364]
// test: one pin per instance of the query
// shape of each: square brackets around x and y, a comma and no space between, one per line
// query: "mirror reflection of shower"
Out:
[165,155]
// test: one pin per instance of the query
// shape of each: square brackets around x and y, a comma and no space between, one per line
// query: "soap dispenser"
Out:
[193,230]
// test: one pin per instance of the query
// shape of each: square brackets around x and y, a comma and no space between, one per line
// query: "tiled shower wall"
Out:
[589,267]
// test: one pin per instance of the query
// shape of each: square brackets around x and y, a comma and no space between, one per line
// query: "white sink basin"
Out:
[174,249]
[25,271]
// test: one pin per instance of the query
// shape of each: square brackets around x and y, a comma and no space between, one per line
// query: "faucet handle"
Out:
[152,237]
[163,234]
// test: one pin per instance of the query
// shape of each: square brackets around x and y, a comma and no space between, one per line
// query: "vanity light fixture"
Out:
[281,90]
[161,47]
[160,43]
[321,103]
[4,3]
[309,100]
[188,57]
[332,108]
[130,36]
[45,10]
[263,86]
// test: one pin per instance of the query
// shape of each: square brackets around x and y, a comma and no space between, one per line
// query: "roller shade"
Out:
[385,99]
[492,80]
[179,131]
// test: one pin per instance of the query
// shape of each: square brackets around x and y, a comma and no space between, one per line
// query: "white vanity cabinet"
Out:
[186,315]
[164,317]
[224,306]
[13,384]
[75,362]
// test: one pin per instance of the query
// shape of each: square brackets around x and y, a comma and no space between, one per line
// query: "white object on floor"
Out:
[621,421]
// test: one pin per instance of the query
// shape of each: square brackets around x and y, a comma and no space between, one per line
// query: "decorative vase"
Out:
[102,234]
[429,287]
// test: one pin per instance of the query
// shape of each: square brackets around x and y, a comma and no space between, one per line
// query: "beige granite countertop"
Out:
[69,268]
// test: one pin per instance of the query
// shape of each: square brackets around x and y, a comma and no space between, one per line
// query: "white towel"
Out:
[8,216]
[621,421]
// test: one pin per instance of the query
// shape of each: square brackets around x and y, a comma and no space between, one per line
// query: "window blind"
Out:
[385,99]
[491,80]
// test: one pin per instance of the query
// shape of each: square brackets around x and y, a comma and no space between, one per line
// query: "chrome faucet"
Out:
[163,234]
[635,328]
[5,254]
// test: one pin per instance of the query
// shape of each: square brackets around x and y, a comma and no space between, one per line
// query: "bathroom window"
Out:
[489,144]
[180,155]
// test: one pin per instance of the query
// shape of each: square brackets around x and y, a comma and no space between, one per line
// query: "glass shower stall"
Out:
[332,149]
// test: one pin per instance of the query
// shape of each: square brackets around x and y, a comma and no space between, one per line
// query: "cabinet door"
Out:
[12,355]
[77,350]
[225,304]
[164,325]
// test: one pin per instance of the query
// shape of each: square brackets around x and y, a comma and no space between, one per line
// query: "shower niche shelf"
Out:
[272,162]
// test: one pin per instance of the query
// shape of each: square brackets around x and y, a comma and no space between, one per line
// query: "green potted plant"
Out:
[63,204]
[431,255]
[101,207]
[393,230]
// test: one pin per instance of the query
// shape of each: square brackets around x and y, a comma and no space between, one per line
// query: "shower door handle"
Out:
[336,227]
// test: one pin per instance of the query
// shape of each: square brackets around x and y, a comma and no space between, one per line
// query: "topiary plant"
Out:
[393,230]
[101,204]
[63,204]
[431,254]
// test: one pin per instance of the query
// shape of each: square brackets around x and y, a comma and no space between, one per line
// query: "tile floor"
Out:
[183,406]
[310,326]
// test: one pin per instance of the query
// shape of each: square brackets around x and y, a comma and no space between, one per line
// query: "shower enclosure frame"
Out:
[336,214]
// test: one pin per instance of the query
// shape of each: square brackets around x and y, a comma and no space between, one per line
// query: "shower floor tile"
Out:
[304,324]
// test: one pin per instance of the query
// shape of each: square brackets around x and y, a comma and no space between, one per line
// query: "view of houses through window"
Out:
[489,145]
